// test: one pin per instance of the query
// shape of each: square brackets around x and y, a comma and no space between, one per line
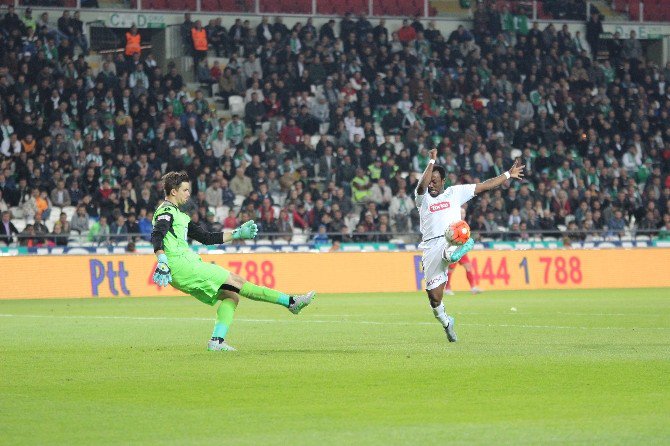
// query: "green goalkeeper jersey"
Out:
[171,231]
[175,242]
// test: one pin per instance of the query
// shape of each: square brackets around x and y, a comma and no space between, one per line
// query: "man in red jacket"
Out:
[407,33]
[291,134]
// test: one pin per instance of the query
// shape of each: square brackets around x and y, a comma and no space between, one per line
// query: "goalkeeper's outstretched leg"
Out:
[235,286]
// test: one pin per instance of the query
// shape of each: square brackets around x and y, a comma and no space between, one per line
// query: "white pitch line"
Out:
[316,321]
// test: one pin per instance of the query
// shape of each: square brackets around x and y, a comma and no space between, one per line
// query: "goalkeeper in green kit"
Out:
[207,282]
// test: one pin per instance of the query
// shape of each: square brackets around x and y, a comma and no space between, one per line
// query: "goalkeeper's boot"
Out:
[461,251]
[448,292]
[449,330]
[219,345]
[301,301]
[475,290]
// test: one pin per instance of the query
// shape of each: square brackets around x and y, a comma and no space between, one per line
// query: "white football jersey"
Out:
[436,213]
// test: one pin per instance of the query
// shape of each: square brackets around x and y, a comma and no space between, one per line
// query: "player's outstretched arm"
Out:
[515,172]
[427,174]
[246,231]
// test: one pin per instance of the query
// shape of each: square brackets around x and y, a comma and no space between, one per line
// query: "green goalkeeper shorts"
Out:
[200,279]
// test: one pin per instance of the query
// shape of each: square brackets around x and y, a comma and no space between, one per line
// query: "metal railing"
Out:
[308,237]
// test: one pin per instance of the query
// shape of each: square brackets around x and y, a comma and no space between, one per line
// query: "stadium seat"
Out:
[17,212]
[221,213]
[298,239]
[238,200]
[20,224]
[69,211]
[236,105]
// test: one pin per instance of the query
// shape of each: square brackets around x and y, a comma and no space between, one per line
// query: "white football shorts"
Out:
[434,265]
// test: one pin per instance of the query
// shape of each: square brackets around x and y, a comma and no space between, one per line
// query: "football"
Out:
[457,233]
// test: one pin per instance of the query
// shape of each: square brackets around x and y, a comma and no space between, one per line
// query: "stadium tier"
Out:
[320,132]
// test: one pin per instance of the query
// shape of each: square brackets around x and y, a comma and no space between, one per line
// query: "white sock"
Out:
[441,315]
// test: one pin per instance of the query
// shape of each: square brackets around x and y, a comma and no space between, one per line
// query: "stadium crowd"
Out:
[328,129]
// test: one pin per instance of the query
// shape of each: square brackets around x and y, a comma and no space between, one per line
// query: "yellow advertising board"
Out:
[130,275]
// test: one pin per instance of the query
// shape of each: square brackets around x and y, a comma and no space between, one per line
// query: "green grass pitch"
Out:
[567,367]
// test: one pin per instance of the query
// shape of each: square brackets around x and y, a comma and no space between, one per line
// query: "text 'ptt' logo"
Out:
[101,272]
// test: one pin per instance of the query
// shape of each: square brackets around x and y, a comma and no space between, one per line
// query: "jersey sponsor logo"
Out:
[164,217]
[433,281]
[437,207]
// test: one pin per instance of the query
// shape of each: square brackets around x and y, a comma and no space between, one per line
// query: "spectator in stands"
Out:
[616,224]
[4,206]
[118,229]
[235,130]
[594,28]
[99,232]
[133,43]
[241,184]
[632,50]
[40,228]
[200,44]
[58,237]
[79,221]
[7,229]
[60,196]
[217,36]
[664,231]
[145,224]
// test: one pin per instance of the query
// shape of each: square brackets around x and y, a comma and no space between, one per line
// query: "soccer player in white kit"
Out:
[437,210]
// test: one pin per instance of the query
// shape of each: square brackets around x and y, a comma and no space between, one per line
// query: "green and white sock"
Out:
[261,293]
[224,317]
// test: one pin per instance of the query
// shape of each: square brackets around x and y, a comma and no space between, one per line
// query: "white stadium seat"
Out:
[236,105]
[69,211]
[17,212]
[20,224]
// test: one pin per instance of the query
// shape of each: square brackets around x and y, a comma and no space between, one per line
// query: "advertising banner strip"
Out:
[130,275]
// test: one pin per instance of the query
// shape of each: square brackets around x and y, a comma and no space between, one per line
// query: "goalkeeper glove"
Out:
[247,231]
[162,275]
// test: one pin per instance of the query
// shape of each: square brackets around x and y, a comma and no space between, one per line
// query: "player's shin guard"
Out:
[224,317]
[440,315]
[256,292]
